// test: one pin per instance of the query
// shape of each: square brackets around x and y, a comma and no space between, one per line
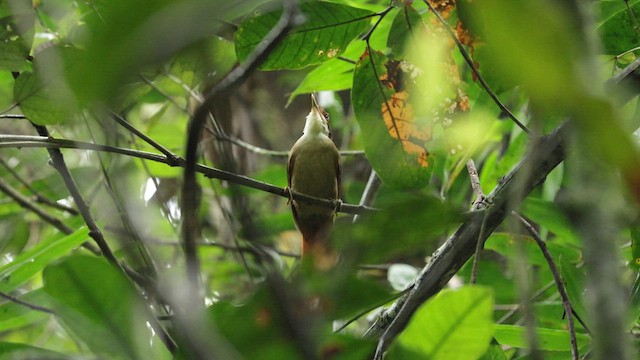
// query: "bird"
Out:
[314,168]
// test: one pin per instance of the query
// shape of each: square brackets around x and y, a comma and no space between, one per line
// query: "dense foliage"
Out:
[111,248]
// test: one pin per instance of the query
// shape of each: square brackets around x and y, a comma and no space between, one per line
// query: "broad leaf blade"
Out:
[457,324]
[328,29]
[101,307]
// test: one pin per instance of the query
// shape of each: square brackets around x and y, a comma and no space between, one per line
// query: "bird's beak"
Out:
[314,104]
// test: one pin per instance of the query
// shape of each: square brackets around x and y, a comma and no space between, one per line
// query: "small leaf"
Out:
[574,281]
[327,31]
[32,261]
[548,339]
[101,307]
[332,75]
[457,324]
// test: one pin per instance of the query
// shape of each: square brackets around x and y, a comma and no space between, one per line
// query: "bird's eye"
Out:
[326,115]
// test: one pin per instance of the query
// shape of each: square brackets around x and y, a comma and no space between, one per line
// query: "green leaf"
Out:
[395,150]
[548,339]
[23,351]
[327,31]
[616,25]
[333,75]
[32,261]
[574,282]
[457,324]
[13,56]
[495,352]
[40,100]
[547,215]
[99,305]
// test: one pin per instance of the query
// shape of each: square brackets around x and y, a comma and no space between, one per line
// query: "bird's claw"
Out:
[289,194]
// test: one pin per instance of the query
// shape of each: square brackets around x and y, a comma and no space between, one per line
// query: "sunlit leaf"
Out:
[327,31]
[333,75]
[456,324]
[32,261]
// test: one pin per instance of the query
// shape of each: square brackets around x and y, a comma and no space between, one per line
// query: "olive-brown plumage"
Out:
[314,169]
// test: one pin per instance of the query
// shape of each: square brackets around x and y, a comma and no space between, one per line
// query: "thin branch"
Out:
[57,160]
[39,198]
[27,204]
[190,199]
[168,153]
[370,191]
[475,71]
[24,141]
[566,304]
[15,300]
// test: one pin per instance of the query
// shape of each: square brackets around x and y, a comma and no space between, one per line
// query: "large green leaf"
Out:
[101,307]
[394,138]
[32,261]
[457,324]
[548,339]
[616,25]
[325,34]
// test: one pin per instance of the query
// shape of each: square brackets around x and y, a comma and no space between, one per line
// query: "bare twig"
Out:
[370,191]
[26,203]
[39,198]
[566,304]
[475,71]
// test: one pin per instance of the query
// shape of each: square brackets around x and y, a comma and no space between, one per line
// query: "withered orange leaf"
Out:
[398,114]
